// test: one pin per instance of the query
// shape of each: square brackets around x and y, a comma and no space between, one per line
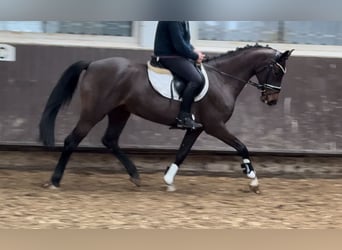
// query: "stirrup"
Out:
[187,123]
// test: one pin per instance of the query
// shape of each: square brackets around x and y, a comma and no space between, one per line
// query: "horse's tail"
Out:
[60,95]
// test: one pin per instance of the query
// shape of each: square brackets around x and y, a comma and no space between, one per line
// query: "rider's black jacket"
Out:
[173,39]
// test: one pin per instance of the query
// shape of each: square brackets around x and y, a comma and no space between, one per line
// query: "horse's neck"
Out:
[240,66]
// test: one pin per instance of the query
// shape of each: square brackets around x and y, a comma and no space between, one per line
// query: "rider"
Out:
[173,48]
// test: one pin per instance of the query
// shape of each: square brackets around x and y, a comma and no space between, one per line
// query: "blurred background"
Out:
[33,55]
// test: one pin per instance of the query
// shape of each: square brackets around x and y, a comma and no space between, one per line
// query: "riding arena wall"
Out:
[306,119]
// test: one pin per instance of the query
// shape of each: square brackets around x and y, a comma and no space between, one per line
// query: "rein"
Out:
[260,86]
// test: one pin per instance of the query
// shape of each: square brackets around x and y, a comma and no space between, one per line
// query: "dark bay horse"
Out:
[116,87]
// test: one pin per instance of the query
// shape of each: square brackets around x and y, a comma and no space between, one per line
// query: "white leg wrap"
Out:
[170,174]
[246,161]
[251,175]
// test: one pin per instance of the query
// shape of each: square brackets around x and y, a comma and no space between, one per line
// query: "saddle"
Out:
[168,85]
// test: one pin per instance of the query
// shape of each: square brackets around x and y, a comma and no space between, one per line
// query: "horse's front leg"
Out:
[223,134]
[184,149]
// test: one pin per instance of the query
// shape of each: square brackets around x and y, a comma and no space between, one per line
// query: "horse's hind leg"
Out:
[70,144]
[223,134]
[117,120]
[184,149]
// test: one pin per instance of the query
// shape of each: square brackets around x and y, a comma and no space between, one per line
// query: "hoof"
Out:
[170,188]
[49,185]
[255,189]
[136,181]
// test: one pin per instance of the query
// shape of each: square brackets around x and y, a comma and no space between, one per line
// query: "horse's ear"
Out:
[286,55]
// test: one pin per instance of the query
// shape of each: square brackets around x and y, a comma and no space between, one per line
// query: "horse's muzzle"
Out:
[269,98]
[271,103]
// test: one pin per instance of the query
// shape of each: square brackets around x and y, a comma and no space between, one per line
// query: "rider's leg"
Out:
[187,71]
[184,118]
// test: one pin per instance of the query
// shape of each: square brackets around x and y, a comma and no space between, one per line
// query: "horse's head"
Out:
[270,77]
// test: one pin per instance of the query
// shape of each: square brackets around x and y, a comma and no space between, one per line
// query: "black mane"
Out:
[233,52]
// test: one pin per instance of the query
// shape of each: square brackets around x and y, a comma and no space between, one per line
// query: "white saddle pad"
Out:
[161,79]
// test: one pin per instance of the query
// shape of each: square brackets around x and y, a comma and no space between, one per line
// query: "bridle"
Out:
[261,86]
[266,85]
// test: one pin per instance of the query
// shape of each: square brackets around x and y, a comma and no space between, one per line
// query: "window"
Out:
[298,32]
[68,27]
[107,34]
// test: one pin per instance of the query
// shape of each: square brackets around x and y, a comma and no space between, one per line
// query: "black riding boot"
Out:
[184,118]
[185,121]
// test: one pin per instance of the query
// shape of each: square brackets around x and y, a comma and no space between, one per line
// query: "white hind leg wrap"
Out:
[170,174]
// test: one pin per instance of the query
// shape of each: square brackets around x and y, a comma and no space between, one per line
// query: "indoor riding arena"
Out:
[295,147]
